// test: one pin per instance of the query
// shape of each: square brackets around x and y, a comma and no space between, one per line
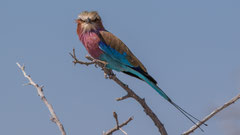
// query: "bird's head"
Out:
[89,21]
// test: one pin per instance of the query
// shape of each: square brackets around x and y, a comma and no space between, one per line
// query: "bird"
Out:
[103,45]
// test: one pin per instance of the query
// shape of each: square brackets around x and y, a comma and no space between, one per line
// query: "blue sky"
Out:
[190,47]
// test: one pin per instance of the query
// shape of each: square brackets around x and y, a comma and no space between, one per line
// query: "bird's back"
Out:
[115,43]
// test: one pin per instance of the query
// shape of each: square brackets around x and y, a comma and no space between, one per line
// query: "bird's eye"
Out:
[96,19]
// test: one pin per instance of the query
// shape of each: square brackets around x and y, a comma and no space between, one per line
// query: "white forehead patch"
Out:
[91,15]
[82,17]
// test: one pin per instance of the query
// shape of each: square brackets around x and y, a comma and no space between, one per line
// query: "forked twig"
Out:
[118,127]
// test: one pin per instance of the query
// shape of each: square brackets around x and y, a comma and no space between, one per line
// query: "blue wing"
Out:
[117,55]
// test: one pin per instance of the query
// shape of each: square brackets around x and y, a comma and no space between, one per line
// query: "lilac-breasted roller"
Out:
[104,46]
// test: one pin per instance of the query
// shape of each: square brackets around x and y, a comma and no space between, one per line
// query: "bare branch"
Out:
[54,117]
[146,108]
[118,127]
[130,93]
[212,114]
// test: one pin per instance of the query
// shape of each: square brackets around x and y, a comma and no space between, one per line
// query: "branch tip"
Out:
[122,98]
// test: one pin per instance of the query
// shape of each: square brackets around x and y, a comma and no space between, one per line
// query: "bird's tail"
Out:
[185,113]
[164,95]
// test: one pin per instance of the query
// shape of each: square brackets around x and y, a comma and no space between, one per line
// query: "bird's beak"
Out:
[77,21]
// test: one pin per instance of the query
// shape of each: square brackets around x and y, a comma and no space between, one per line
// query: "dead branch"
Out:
[118,127]
[54,117]
[130,92]
[191,130]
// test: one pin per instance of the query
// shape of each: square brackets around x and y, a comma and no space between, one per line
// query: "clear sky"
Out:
[191,47]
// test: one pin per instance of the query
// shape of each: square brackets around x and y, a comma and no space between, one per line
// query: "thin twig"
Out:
[116,118]
[54,117]
[122,98]
[77,61]
[212,114]
[118,127]
[130,92]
